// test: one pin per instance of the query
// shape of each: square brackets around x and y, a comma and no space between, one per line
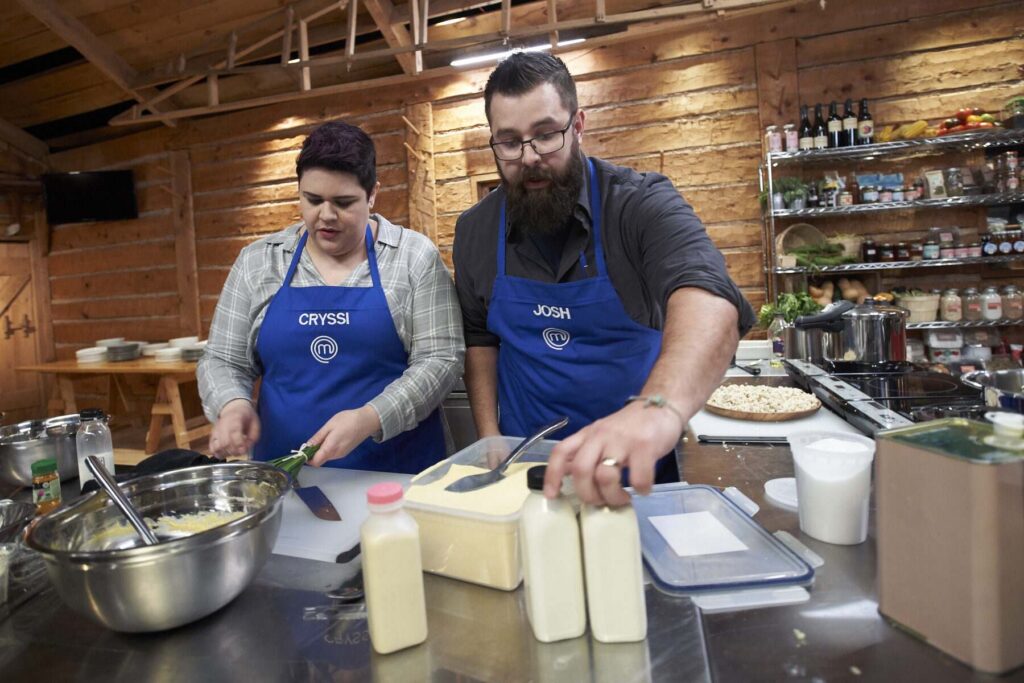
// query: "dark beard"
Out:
[545,212]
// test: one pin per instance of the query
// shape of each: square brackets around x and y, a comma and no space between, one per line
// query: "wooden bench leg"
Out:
[161,407]
[65,390]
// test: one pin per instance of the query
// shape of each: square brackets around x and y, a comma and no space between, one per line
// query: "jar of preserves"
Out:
[917,251]
[773,139]
[792,137]
[897,194]
[868,251]
[902,251]
[931,250]
[869,194]
[954,182]
[1018,242]
[45,485]
[1013,303]
[886,253]
[961,249]
[991,304]
[950,306]
[885,195]
[971,304]
[989,244]
[845,198]
[974,249]
[1006,242]
[947,250]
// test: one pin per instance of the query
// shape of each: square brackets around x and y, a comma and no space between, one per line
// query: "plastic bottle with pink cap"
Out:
[392,571]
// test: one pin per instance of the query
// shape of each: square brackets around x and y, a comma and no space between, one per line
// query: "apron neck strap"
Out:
[371,258]
[595,222]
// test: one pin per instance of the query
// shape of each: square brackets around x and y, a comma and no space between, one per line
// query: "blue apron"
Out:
[326,349]
[566,348]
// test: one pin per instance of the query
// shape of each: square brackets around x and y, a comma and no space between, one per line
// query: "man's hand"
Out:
[635,436]
[342,433]
[236,431]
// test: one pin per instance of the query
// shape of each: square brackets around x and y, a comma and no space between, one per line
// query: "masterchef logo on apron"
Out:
[555,338]
[324,348]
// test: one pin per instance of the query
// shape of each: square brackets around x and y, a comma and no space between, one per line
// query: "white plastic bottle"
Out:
[93,438]
[615,577]
[392,572]
[549,538]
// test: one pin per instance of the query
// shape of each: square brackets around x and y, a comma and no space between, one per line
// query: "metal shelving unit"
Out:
[900,265]
[949,202]
[881,152]
[980,139]
[943,325]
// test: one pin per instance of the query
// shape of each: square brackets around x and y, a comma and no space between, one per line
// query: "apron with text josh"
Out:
[567,348]
[325,349]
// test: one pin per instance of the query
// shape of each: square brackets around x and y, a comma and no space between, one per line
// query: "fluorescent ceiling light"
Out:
[449,22]
[498,56]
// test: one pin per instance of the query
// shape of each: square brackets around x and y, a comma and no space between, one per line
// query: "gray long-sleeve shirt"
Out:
[420,295]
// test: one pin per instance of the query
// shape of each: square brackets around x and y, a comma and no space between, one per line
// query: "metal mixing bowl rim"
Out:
[210,537]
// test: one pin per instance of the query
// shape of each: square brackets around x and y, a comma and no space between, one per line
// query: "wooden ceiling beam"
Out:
[395,35]
[85,41]
[27,144]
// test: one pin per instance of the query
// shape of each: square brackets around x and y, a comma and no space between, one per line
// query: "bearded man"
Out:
[588,290]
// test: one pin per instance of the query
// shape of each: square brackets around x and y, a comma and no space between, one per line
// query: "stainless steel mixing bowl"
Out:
[14,517]
[23,443]
[100,567]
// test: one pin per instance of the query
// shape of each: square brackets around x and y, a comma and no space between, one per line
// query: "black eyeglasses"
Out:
[543,144]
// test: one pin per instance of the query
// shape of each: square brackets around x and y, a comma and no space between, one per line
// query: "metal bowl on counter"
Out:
[14,517]
[23,443]
[1001,388]
[217,525]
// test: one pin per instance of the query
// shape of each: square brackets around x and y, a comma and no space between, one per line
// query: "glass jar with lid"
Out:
[897,194]
[791,136]
[954,182]
[917,251]
[950,306]
[991,304]
[1018,241]
[772,139]
[974,249]
[989,244]
[868,251]
[961,249]
[947,250]
[1006,240]
[902,251]
[868,194]
[930,250]
[887,252]
[971,304]
[1013,303]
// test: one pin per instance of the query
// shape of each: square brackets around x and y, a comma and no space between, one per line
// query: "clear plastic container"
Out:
[757,559]
[474,536]
[93,438]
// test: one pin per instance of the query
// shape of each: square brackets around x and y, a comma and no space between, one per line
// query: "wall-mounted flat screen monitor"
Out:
[89,196]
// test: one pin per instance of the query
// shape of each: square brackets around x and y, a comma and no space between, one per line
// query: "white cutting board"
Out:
[715,425]
[305,535]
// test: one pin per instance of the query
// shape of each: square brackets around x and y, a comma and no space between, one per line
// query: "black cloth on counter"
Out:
[164,461]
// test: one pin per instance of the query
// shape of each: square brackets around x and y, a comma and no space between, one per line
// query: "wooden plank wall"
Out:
[689,102]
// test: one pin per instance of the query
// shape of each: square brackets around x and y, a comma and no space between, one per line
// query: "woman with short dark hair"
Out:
[350,322]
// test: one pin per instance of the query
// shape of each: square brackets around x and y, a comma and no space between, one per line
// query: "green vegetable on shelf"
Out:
[791,305]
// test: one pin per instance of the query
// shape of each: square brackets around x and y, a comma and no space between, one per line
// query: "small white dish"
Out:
[1007,425]
[169,355]
[183,341]
[151,349]
[93,354]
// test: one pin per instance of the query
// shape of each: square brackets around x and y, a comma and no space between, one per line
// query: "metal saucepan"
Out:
[871,334]
[813,345]
[1001,388]
[23,443]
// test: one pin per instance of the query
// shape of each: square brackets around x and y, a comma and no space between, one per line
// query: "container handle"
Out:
[970,379]
[744,503]
[831,318]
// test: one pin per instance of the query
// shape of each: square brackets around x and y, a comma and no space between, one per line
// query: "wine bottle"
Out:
[806,139]
[835,126]
[820,130]
[849,125]
[865,125]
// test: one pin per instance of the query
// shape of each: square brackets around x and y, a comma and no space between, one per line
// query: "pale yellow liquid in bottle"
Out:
[615,579]
[393,579]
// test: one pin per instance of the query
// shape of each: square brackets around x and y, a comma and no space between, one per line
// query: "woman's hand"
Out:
[342,433]
[237,429]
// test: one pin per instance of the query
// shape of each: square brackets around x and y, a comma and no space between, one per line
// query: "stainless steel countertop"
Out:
[280,630]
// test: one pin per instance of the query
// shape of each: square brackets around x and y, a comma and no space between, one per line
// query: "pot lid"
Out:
[876,309]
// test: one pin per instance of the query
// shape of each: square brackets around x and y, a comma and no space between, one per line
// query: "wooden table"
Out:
[168,394]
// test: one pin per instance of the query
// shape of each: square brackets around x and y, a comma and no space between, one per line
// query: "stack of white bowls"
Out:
[93,354]
[171,354]
[151,349]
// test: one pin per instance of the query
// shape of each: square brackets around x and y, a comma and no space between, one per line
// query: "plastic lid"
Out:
[782,492]
[92,414]
[535,477]
[45,466]
[734,551]
[384,493]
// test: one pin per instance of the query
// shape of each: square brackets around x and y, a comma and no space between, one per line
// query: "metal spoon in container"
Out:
[473,482]
[108,484]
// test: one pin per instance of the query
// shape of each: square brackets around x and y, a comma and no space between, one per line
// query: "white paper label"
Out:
[696,533]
